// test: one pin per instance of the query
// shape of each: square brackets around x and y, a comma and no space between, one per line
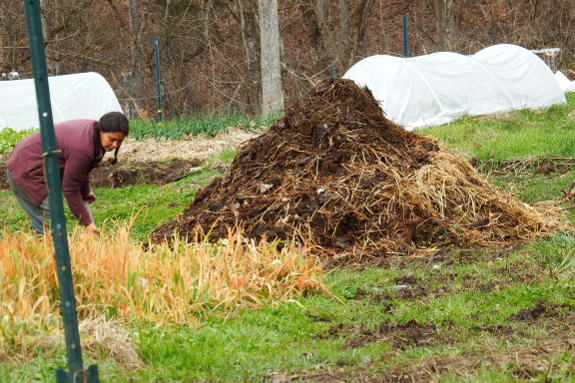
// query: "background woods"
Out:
[210,50]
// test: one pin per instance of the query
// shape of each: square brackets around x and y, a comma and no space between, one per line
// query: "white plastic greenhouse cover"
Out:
[565,84]
[73,96]
[438,88]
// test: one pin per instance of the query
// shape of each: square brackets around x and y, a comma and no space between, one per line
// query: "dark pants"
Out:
[38,215]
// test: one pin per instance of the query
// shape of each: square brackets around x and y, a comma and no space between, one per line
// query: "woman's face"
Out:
[111,140]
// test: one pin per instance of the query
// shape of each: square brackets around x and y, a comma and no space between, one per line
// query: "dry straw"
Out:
[165,285]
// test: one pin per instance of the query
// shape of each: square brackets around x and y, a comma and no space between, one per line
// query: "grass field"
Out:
[487,315]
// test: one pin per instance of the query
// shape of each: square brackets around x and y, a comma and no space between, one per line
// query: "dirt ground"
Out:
[526,360]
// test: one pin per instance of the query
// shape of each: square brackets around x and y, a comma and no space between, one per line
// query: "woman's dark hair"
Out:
[109,122]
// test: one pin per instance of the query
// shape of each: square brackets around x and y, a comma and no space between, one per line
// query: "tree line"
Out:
[211,50]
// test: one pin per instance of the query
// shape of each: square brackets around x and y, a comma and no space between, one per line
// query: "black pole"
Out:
[52,173]
[405,38]
[158,87]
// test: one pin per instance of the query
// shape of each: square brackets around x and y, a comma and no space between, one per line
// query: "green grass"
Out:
[457,321]
[116,207]
[541,133]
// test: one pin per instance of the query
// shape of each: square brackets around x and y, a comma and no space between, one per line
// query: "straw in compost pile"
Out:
[335,174]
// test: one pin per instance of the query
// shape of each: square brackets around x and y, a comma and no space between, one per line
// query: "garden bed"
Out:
[158,162]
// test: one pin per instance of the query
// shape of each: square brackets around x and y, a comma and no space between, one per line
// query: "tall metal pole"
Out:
[158,87]
[52,173]
[405,38]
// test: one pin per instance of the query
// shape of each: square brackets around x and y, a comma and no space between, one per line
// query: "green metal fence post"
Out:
[77,373]
[405,38]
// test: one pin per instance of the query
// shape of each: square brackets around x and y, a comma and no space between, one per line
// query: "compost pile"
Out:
[334,174]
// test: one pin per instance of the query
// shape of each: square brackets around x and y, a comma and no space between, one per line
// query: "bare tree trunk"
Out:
[352,29]
[313,14]
[385,47]
[3,38]
[444,13]
[249,31]
[52,12]
[511,17]
[44,21]
[137,21]
[54,63]
[134,78]
[270,56]
[360,17]
[344,35]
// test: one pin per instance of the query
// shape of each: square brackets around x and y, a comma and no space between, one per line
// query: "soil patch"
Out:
[152,161]
[132,173]
[351,185]
[541,310]
[151,172]
[401,335]
[529,362]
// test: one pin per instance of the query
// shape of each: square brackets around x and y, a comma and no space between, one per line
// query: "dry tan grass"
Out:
[100,338]
[187,148]
[109,339]
[115,278]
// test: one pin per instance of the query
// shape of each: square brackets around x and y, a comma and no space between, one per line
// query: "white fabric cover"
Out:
[565,84]
[73,97]
[438,88]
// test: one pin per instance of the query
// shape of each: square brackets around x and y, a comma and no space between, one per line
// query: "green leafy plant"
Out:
[203,124]
[9,137]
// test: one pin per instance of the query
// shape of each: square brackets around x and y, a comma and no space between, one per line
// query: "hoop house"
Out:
[74,96]
[438,88]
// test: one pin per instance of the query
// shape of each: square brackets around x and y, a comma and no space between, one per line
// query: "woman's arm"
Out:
[76,172]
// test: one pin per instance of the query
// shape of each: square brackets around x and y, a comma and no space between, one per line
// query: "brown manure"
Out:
[336,175]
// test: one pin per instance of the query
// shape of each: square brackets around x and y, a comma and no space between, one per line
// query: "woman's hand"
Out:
[90,197]
[92,229]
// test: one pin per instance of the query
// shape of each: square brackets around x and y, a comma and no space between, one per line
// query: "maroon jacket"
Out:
[75,140]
